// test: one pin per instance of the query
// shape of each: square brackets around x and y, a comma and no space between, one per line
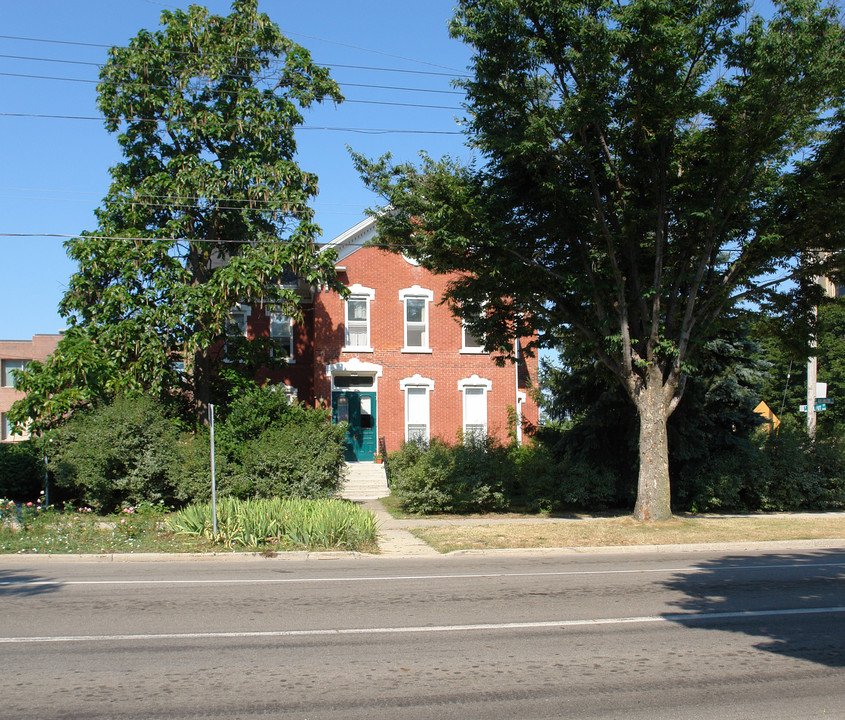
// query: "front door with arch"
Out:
[359,410]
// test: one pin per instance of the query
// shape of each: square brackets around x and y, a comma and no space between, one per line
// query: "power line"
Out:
[456,73]
[132,238]
[341,84]
[232,92]
[362,131]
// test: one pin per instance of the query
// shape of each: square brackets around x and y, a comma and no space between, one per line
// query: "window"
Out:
[236,327]
[475,391]
[416,300]
[358,319]
[417,408]
[281,332]
[6,428]
[471,344]
[354,381]
[8,371]
[238,321]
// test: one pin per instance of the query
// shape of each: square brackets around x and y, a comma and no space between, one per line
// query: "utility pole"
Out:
[812,377]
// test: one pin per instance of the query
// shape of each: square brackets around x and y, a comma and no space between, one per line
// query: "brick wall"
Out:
[446,365]
[39,348]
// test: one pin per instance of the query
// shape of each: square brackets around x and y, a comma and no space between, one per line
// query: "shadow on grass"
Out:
[795,602]
[22,584]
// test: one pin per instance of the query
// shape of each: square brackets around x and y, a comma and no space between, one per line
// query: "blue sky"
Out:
[54,168]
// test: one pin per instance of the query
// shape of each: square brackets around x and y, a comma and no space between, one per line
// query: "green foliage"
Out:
[636,178]
[544,483]
[303,460]
[479,475]
[270,447]
[468,477]
[781,472]
[715,420]
[204,109]
[80,373]
[21,471]
[118,455]
[283,523]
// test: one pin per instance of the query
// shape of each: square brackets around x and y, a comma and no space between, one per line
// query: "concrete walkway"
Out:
[394,538]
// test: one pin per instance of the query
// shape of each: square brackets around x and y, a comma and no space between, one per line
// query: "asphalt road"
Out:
[507,636]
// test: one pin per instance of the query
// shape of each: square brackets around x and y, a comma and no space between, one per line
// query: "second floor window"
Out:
[358,322]
[416,300]
[10,367]
[281,332]
[237,325]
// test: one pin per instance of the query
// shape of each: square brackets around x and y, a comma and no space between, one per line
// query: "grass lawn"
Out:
[617,531]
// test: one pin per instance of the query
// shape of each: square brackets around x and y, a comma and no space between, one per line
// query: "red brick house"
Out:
[14,355]
[391,360]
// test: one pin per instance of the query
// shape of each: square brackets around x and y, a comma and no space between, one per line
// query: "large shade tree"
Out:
[207,208]
[633,181]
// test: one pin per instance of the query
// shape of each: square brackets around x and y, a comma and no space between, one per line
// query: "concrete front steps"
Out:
[365,481]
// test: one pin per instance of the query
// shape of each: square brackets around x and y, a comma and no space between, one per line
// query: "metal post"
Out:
[213,475]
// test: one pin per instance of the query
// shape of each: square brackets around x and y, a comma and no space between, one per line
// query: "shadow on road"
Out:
[21,584]
[779,588]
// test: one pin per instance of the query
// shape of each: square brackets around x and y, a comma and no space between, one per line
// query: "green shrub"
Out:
[193,483]
[120,454]
[286,523]
[779,472]
[469,477]
[303,460]
[265,447]
[21,471]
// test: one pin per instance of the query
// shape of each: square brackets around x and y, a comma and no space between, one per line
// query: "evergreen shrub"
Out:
[21,471]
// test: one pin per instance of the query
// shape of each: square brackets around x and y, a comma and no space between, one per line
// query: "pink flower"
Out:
[29,504]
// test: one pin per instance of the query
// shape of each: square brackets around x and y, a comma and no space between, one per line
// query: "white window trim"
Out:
[272,310]
[240,309]
[474,382]
[469,350]
[352,367]
[417,381]
[416,293]
[358,292]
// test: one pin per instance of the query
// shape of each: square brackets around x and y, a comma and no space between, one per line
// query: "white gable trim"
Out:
[353,239]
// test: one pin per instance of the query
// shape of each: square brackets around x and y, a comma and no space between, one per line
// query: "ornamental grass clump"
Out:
[281,523]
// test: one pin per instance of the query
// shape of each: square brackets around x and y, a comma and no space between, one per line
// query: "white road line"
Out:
[12,582]
[673,618]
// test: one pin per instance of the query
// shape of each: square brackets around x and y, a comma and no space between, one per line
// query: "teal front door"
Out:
[359,410]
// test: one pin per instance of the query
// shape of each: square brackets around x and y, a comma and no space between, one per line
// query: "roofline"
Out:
[350,235]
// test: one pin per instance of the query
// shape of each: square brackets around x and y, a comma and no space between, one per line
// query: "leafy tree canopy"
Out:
[207,207]
[637,177]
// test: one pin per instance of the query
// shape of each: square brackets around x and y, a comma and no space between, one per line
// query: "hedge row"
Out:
[131,452]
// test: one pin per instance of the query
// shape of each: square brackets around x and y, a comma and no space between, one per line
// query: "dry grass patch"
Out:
[605,532]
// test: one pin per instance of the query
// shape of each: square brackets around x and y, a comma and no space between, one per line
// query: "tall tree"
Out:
[208,207]
[633,182]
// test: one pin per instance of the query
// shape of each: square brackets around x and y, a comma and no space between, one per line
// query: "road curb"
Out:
[305,556]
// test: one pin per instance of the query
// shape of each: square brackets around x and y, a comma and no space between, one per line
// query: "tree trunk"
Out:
[653,409]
